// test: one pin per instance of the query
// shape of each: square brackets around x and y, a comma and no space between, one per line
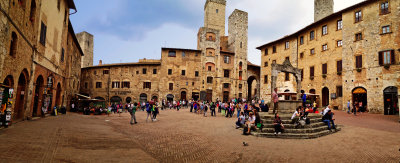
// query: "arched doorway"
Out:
[155,98]
[143,97]
[38,95]
[195,95]
[115,100]
[20,98]
[183,95]
[325,96]
[312,91]
[170,97]
[128,100]
[209,93]
[391,103]
[250,83]
[58,95]
[360,95]
[9,84]
[226,96]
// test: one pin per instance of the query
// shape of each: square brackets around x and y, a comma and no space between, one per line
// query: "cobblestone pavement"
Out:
[187,137]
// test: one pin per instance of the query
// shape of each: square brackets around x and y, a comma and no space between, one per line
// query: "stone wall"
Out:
[372,76]
[214,15]
[86,41]
[238,43]
[322,8]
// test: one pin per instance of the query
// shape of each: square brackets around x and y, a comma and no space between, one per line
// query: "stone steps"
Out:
[293,130]
[292,126]
[286,135]
[289,121]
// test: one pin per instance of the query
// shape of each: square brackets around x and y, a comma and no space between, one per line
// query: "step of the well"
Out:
[292,126]
[288,121]
[297,135]
[302,130]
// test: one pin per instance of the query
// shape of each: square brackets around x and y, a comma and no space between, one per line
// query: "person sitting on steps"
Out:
[278,124]
[296,116]
[328,119]
[251,122]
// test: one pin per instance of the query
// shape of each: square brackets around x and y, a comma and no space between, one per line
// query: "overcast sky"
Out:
[128,30]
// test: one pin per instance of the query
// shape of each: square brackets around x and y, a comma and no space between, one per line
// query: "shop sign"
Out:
[11,92]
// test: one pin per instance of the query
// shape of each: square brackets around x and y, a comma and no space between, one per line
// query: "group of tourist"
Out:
[356,107]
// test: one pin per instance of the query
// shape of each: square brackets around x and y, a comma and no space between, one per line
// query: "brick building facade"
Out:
[351,55]
[37,45]
[217,69]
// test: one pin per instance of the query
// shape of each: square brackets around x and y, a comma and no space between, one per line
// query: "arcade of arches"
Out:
[46,94]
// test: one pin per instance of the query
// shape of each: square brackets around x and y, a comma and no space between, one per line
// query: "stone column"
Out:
[298,80]
[274,76]
[258,90]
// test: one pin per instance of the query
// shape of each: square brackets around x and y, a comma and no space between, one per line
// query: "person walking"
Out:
[132,109]
[348,107]
[205,109]
[155,112]
[275,100]
[212,107]
[304,99]
[148,110]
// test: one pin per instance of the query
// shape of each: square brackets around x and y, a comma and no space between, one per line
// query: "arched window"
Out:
[22,3]
[33,11]
[13,44]
[240,65]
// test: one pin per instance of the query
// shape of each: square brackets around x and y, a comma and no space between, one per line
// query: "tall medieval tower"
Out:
[322,8]
[224,58]
[85,40]
[237,43]
[214,15]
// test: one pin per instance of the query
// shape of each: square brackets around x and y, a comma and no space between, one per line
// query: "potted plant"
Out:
[358,69]
[324,75]
[339,73]
[312,78]
[387,66]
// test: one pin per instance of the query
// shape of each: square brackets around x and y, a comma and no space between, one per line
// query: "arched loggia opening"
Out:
[58,95]
[8,84]
[38,96]
[391,102]
[19,108]
[252,87]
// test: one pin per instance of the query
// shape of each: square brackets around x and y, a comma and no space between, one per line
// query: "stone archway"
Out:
[38,96]
[285,106]
[288,68]
[251,89]
[58,95]
[19,108]
[391,103]
[253,74]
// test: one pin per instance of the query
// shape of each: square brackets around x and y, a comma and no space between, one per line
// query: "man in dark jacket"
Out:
[327,119]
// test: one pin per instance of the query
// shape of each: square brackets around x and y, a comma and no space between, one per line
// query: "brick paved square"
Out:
[186,137]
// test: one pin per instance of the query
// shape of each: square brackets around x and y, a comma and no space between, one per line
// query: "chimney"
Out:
[100,62]
[322,9]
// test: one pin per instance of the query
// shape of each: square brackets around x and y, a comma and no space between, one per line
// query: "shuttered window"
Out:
[339,66]
[359,61]
[312,71]
[324,69]
[387,57]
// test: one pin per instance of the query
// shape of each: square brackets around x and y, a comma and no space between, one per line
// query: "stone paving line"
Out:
[187,137]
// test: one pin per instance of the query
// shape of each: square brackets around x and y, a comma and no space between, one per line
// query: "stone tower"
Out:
[322,8]
[214,15]
[237,43]
[85,39]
